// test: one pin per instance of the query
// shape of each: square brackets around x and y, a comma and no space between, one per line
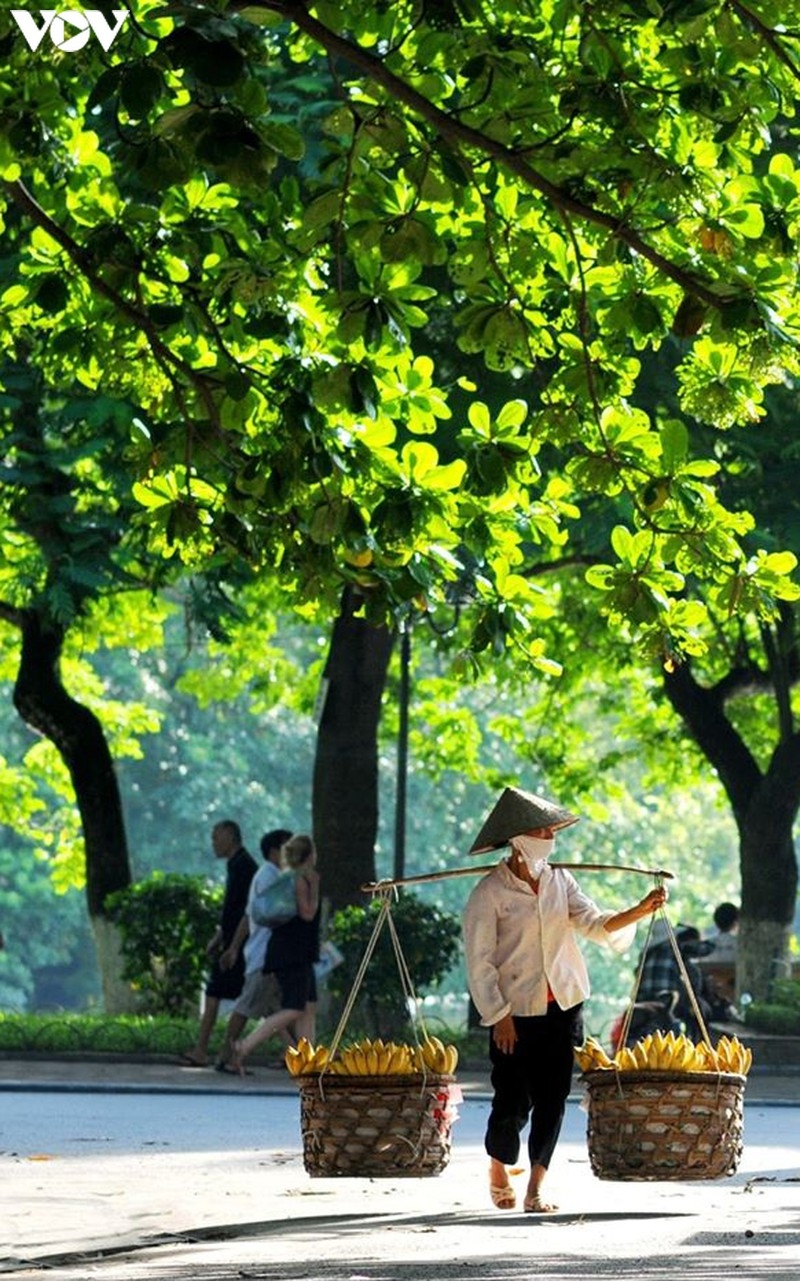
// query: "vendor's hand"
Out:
[227,959]
[654,900]
[504,1034]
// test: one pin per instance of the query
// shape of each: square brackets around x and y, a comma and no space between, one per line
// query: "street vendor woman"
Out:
[528,980]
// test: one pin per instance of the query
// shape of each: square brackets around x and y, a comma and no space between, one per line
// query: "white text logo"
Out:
[71,30]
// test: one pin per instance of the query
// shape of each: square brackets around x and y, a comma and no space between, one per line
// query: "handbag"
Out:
[276,904]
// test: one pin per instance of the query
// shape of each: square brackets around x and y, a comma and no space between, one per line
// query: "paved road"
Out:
[171,1186]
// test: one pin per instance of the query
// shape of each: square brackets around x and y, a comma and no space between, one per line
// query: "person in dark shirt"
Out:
[224,983]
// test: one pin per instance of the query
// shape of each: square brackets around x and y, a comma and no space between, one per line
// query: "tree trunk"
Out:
[44,704]
[765,805]
[345,787]
[769,874]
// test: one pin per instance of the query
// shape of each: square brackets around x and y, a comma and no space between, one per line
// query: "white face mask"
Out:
[535,850]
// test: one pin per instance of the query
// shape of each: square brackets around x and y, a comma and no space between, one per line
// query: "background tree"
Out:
[558,188]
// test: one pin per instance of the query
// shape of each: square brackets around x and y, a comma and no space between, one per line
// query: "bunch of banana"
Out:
[305,1058]
[662,1051]
[373,1058]
[592,1056]
[729,1056]
[668,1052]
[433,1056]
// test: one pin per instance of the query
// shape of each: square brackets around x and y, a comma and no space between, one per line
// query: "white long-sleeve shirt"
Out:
[518,942]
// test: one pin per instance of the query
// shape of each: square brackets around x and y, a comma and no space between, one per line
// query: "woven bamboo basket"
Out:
[375,1126]
[664,1125]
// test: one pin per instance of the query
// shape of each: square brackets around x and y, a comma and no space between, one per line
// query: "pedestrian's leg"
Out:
[306,1024]
[551,1082]
[265,1029]
[198,1055]
[507,1119]
[236,1025]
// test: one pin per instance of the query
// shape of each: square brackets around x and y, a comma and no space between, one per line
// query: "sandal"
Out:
[503,1198]
[535,1205]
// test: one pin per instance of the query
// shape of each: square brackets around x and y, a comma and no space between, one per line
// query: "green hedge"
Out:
[781,1014]
[94,1033]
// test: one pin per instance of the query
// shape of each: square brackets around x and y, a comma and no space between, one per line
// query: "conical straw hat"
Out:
[517,812]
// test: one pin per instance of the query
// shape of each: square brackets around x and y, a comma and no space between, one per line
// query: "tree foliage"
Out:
[163,921]
[263,209]
[428,942]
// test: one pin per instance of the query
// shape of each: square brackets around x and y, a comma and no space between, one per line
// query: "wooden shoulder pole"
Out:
[373,887]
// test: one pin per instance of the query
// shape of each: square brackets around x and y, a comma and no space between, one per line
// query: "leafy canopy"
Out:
[253,223]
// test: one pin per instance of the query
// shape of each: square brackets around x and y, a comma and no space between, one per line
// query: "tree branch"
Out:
[577,560]
[12,614]
[455,132]
[18,193]
[701,711]
[767,34]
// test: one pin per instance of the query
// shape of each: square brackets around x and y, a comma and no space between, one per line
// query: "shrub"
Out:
[165,922]
[781,1014]
[429,941]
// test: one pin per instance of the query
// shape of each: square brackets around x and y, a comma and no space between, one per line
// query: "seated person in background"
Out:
[661,975]
[719,965]
[726,922]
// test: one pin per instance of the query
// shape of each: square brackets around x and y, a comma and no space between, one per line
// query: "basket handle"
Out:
[682,970]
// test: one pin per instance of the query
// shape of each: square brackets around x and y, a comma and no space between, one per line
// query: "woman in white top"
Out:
[528,980]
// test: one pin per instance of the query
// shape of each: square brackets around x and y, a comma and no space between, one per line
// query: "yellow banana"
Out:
[599,1057]
[724,1054]
[294,1060]
[625,1060]
[433,1053]
[639,1051]
[451,1059]
[320,1059]
[349,1061]
[403,1060]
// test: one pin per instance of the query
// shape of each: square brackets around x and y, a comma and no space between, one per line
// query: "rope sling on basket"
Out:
[672,1122]
[381,1123]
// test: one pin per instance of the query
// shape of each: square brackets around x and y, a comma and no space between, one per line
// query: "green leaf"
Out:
[512,415]
[780,562]
[674,444]
[283,138]
[478,415]
[622,542]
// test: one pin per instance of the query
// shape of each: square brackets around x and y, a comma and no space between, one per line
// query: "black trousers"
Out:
[533,1083]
